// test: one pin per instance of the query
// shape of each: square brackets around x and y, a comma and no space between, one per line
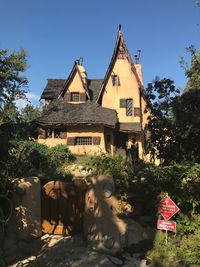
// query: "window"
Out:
[49,133]
[83,141]
[129,107]
[115,80]
[75,97]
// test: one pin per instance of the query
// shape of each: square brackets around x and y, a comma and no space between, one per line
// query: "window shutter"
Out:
[41,133]
[96,140]
[67,96]
[63,135]
[83,97]
[122,103]
[71,141]
[137,112]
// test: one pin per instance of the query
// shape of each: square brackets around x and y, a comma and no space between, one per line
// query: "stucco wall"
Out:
[76,86]
[76,131]
[128,89]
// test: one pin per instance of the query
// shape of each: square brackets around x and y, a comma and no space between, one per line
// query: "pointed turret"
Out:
[120,52]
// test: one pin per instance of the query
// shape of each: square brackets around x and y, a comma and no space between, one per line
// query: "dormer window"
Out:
[75,97]
[115,80]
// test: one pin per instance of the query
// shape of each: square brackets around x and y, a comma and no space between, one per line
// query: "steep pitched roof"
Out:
[74,70]
[94,86]
[120,47]
[53,88]
[60,113]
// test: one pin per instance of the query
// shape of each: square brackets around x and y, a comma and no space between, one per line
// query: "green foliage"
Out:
[161,94]
[181,181]
[31,158]
[192,71]
[30,113]
[104,164]
[59,155]
[12,82]
[174,124]
[186,110]
[182,249]
[26,156]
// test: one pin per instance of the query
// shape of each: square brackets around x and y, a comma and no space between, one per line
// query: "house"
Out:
[94,116]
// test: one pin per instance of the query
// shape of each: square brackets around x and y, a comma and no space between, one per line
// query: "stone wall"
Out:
[25,223]
[106,231]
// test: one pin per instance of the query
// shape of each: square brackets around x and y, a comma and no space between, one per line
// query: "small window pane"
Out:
[75,97]
[83,141]
[129,107]
[115,80]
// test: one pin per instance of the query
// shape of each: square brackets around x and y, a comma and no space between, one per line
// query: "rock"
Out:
[134,233]
[143,263]
[115,260]
[54,241]
[44,237]
[144,235]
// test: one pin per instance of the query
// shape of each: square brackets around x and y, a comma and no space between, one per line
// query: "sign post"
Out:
[167,209]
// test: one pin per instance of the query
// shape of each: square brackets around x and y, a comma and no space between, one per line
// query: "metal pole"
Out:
[166,237]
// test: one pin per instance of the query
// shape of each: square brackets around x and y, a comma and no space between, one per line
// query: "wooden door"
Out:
[62,208]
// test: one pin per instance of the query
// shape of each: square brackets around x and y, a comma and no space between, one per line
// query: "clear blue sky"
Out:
[56,32]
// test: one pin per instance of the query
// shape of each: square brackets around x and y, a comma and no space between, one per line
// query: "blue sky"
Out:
[56,32]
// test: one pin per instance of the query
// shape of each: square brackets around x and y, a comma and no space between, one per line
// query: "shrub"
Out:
[111,165]
[59,155]
[182,249]
[29,157]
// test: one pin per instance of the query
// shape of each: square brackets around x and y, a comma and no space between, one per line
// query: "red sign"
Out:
[167,208]
[166,225]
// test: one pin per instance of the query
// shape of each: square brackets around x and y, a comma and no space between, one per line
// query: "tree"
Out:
[192,70]
[12,83]
[186,110]
[29,113]
[161,94]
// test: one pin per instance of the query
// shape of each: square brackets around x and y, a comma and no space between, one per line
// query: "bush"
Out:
[29,157]
[182,249]
[111,165]
[59,155]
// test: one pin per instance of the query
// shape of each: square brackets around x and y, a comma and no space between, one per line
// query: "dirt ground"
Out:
[73,251]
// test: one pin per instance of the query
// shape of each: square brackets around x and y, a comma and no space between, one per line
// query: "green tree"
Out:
[192,70]
[186,110]
[12,82]
[29,113]
[161,94]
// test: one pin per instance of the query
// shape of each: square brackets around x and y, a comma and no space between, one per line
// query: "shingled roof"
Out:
[53,88]
[94,86]
[60,113]
[119,45]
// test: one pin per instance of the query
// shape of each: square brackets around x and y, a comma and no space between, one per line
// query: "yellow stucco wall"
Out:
[128,89]
[89,131]
[76,86]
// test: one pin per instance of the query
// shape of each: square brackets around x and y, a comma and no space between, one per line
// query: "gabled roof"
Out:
[53,88]
[94,86]
[61,114]
[74,70]
[120,47]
